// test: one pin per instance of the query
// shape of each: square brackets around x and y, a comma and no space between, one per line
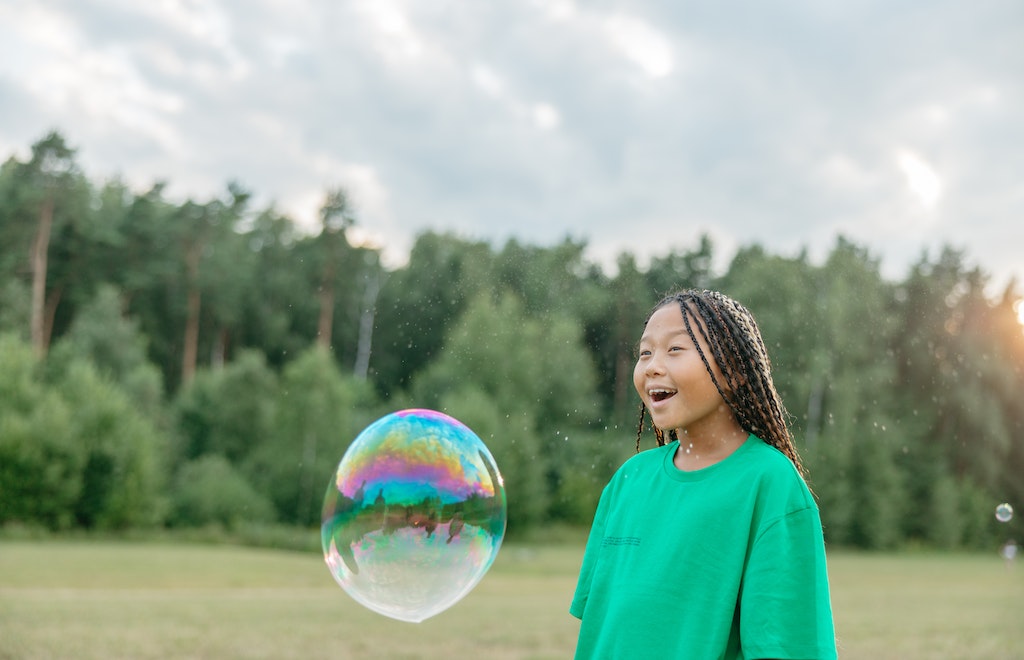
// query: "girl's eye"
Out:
[644,353]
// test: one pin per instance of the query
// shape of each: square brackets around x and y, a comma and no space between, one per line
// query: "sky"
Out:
[633,126]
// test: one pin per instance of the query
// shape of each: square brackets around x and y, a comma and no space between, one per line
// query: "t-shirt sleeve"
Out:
[590,556]
[785,607]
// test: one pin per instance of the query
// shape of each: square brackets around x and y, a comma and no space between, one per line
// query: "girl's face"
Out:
[673,382]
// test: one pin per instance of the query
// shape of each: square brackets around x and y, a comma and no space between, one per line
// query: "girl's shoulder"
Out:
[775,472]
[648,462]
[654,455]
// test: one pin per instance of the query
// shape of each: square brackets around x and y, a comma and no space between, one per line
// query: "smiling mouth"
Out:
[660,395]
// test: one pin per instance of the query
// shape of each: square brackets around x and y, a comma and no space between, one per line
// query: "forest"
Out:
[172,365]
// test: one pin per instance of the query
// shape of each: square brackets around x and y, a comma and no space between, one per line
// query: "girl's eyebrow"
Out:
[645,338]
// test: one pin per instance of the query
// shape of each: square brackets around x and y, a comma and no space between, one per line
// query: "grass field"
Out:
[82,599]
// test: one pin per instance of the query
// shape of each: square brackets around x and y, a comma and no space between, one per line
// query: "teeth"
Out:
[660,394]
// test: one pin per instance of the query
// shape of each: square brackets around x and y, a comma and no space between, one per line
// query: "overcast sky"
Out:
[635,126]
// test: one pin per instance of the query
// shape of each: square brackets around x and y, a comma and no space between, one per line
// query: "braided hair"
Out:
[729,330]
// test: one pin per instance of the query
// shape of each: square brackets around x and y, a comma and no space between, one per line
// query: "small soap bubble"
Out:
[414,515]
[1004,512]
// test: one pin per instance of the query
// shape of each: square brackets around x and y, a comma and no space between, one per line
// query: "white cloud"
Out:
[921,179]
[71,79]
[546,116]
[557,10]
[487,80]
[843,173]
[645,46]
[202,22]
[549,118]
[393,34]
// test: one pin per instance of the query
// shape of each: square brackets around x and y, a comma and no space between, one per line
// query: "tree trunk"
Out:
[325,326]
[814,401]
[40,248]
[191,346]
[50,312]
[218,355]
[362,366]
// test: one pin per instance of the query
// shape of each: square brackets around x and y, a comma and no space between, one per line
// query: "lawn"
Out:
[82,599]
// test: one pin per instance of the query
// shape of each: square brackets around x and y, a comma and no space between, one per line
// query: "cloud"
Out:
[922,180]
[635,126]
[640,43]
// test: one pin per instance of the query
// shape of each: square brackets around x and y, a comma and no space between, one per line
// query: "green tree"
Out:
[827,331]
[122,480]
[959,382]
[144,264]
[335,218]
[210,491]
[40,461]
[279,314]
[38,199]
[227,411]
[613,331]
[15,300]
[539,371]
[210,254]
[318,413]
[102,334]
[682,270]
[419,302]
[74,448]
[510,437]
[546,279]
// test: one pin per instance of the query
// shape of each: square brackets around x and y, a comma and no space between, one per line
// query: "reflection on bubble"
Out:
[414,515]
[1004,512]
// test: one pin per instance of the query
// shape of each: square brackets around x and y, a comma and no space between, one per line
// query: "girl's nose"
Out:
[654,366]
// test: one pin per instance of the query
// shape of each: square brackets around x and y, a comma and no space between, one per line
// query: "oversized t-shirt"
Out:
[723,562]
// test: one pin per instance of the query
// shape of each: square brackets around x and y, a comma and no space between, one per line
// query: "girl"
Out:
[709,546]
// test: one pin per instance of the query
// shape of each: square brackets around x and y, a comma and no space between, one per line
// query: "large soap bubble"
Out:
[414,516]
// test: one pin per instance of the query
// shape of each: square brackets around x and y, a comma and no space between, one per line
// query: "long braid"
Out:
[659,435]
[640,426]
[731,333]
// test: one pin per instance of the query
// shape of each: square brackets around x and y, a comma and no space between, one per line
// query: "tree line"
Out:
[181,364]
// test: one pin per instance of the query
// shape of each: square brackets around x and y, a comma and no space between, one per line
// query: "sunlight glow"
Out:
[1019,308]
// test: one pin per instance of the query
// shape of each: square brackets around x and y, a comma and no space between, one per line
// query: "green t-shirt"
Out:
[723,562]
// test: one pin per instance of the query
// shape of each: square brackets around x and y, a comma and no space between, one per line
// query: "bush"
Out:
[209,491]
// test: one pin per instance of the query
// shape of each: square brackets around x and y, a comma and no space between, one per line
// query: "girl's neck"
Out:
[699,450]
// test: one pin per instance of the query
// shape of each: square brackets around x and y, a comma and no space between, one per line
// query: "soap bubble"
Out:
[1004,512]
[414,515]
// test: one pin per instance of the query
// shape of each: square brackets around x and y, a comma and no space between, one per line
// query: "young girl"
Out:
[709,546]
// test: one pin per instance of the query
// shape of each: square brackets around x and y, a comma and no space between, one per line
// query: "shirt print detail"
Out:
[620,540]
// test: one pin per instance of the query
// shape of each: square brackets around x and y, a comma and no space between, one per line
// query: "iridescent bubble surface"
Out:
[1004,512]
[414,516]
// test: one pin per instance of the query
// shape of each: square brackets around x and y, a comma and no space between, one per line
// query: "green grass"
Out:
[928,606]
[94,599]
